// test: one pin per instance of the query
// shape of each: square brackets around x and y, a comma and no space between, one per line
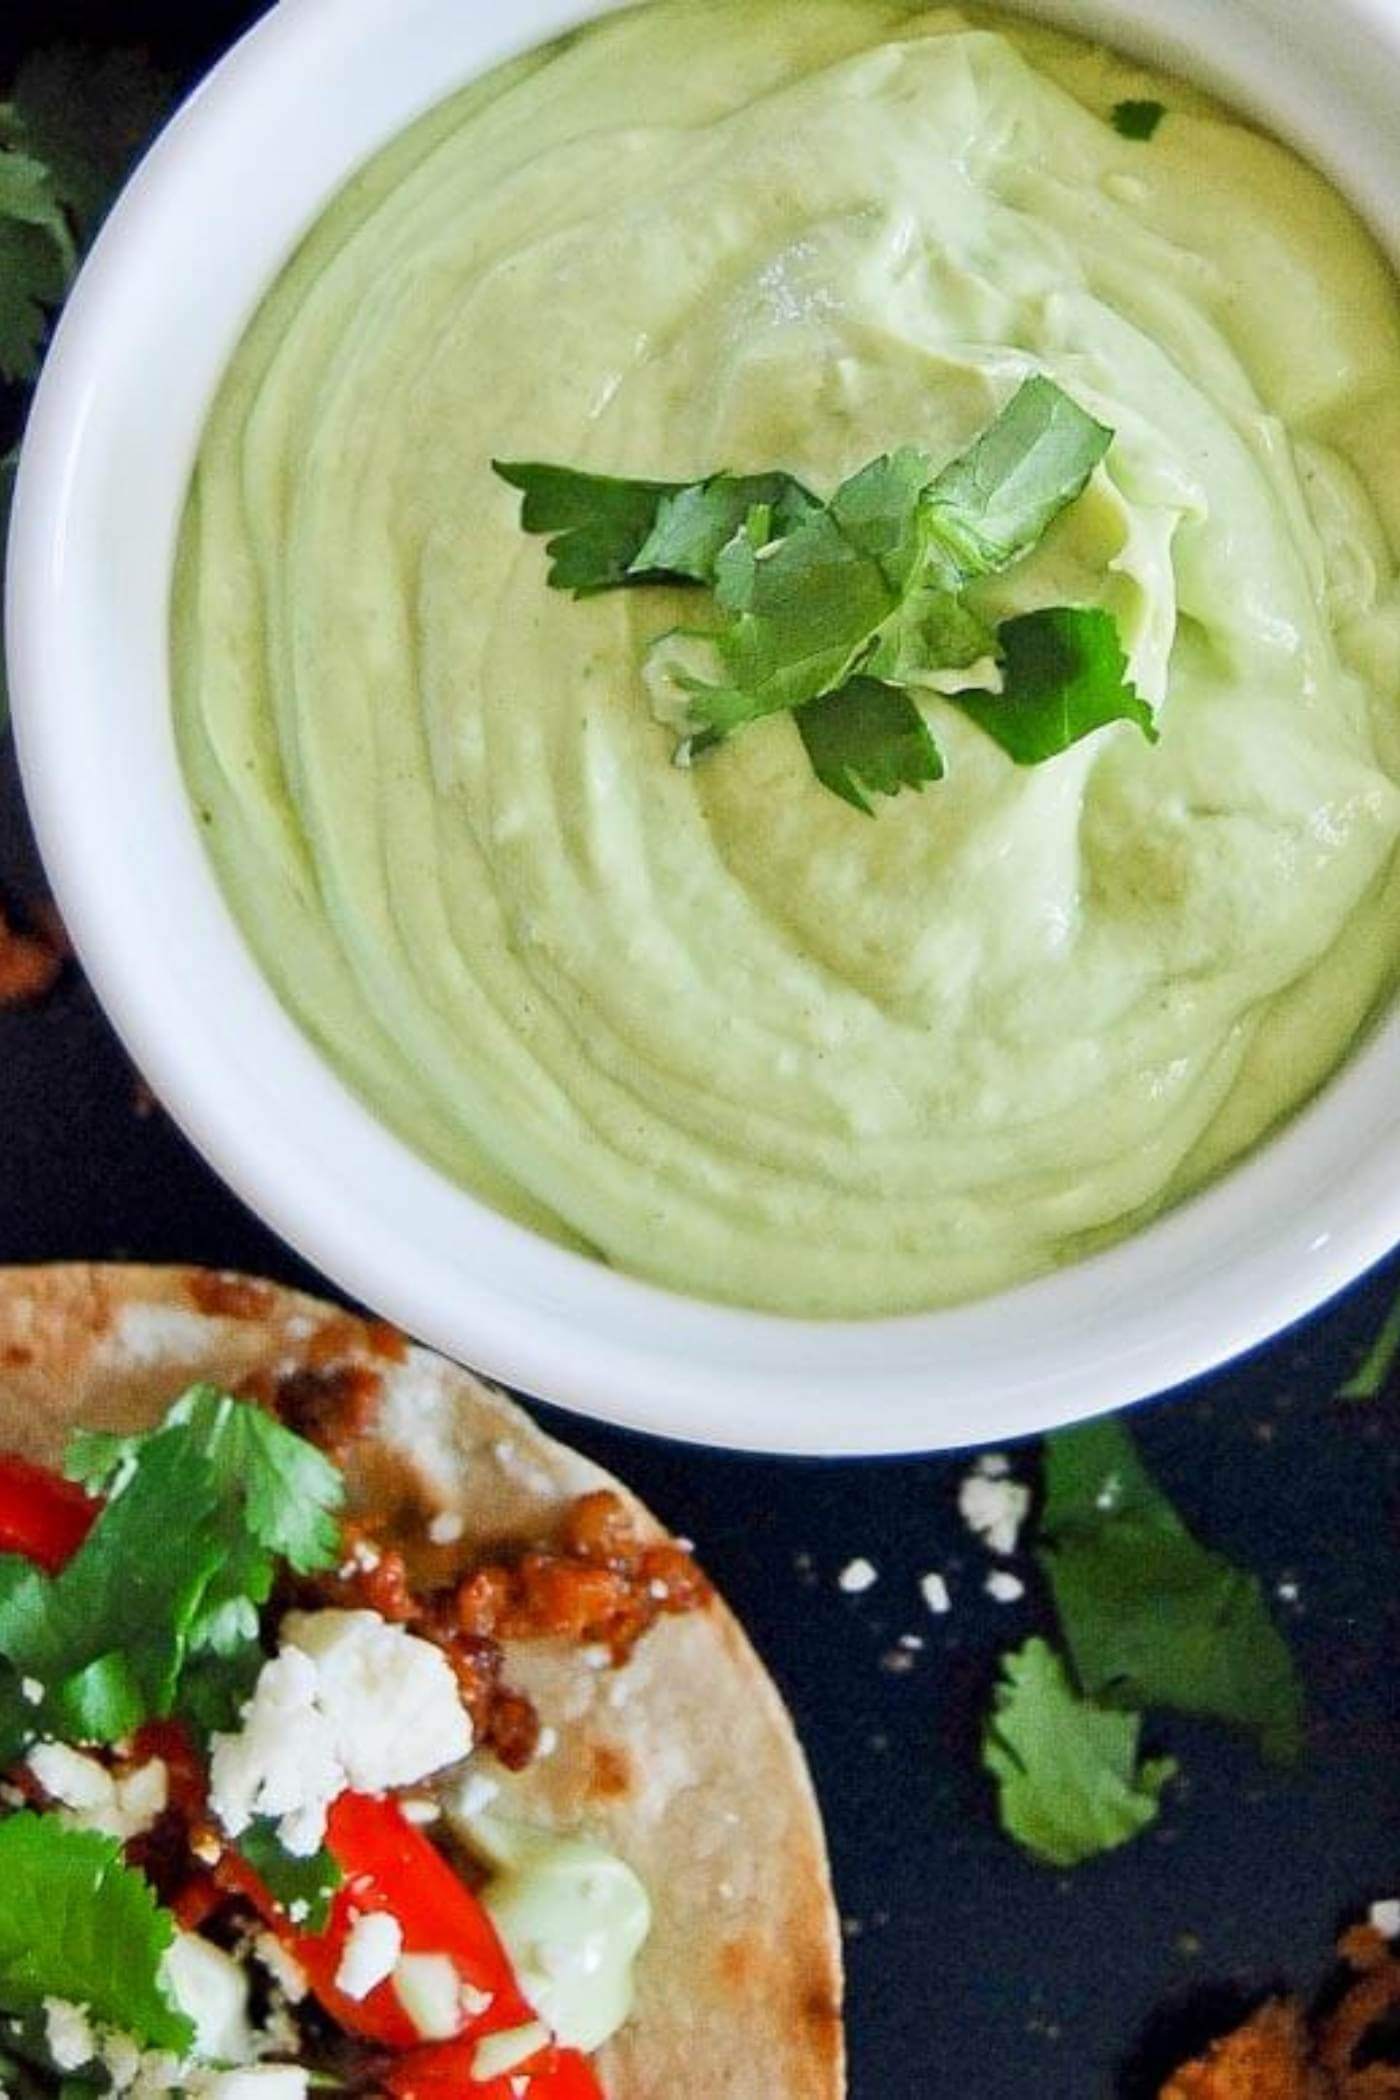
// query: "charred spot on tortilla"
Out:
[610,1772]
[225,1295]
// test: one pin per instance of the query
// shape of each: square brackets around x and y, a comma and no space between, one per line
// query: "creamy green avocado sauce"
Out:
[714,1025]
[573,1918]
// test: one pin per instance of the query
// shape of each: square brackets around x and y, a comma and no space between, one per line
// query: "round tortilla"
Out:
[684,1762]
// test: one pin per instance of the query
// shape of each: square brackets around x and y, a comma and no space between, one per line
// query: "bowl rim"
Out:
[1213,1277]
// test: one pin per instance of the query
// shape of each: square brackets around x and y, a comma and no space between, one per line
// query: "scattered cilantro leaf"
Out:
[34,276]
[1152,1618]
[1064,675]
[868,739]
[76,1923]
[27,195]
[289,1880]
[1068,1777]
[86,116]
[198,1513]
[1372,1374]
[1138,120]
[990,507]
[69,130]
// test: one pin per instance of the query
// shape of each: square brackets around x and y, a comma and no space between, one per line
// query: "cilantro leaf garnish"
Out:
[822,602]
[989,508]
[599,523]
[696,522]
[302,1886]
[1150,1616]
[609,531]
[75,1923]
[199,1512]
[1064,675]
[868,738]
[1138,120]
[1069,1781]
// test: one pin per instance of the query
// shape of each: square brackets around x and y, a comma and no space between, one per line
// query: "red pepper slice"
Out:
[42,1516]
[444,2072]
[389,1865]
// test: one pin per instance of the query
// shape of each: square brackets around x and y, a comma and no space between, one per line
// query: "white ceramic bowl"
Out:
[200,232]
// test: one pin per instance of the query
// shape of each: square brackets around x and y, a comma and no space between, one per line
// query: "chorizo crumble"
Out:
[602,1584]
[1281,2054]
[30,964]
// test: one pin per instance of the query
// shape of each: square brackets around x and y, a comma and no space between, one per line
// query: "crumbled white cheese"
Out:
[496,2054]
[282,1966]
[994,1507]
[121,2055]
[935,1594]
[416,1809]
[69,2034]
[447,1527]
[212,1988]
[429,1989]
[372,1946]
[1004,1587]
[548,1742]
[474,1792]
[92,1798]
[349,1701]
[250,2082]
[1385,1917]
[857,1576]
[31,1690]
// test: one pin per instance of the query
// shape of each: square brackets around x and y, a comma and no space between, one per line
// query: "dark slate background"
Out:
[973,1974]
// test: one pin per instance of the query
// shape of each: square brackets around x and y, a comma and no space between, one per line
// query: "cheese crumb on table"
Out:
[857,1576]
[993,1506]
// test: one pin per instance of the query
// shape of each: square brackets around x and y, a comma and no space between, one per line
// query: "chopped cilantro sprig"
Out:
[1151,1617]
[841,613]
[78,1924]
[166,1588]
[1150,1620]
